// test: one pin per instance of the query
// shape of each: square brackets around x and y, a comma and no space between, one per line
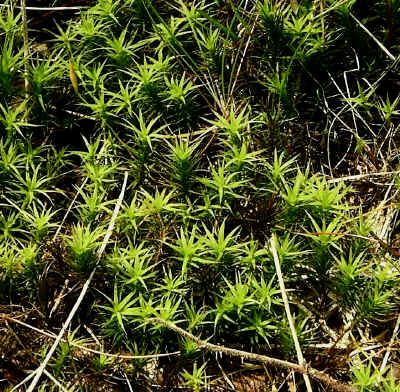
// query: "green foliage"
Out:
[11,63]
[236,122]
[83,243]
[120,308]
[366,378]
[189,249]
[223,184]
[182,164]
[196,380]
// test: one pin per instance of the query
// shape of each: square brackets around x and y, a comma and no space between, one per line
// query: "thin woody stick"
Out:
[392,340]
[288,314]
[381,46]
[39,371]
[307,370]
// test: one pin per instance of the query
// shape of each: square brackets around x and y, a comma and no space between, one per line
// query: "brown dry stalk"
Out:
[305,369]
[73,77]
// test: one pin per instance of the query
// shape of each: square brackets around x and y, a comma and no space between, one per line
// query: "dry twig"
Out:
[381,46]
[307,370]
[392,340]
[288,314]
[38,372]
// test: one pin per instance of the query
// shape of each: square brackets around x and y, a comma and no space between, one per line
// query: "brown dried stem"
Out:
[302,369]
